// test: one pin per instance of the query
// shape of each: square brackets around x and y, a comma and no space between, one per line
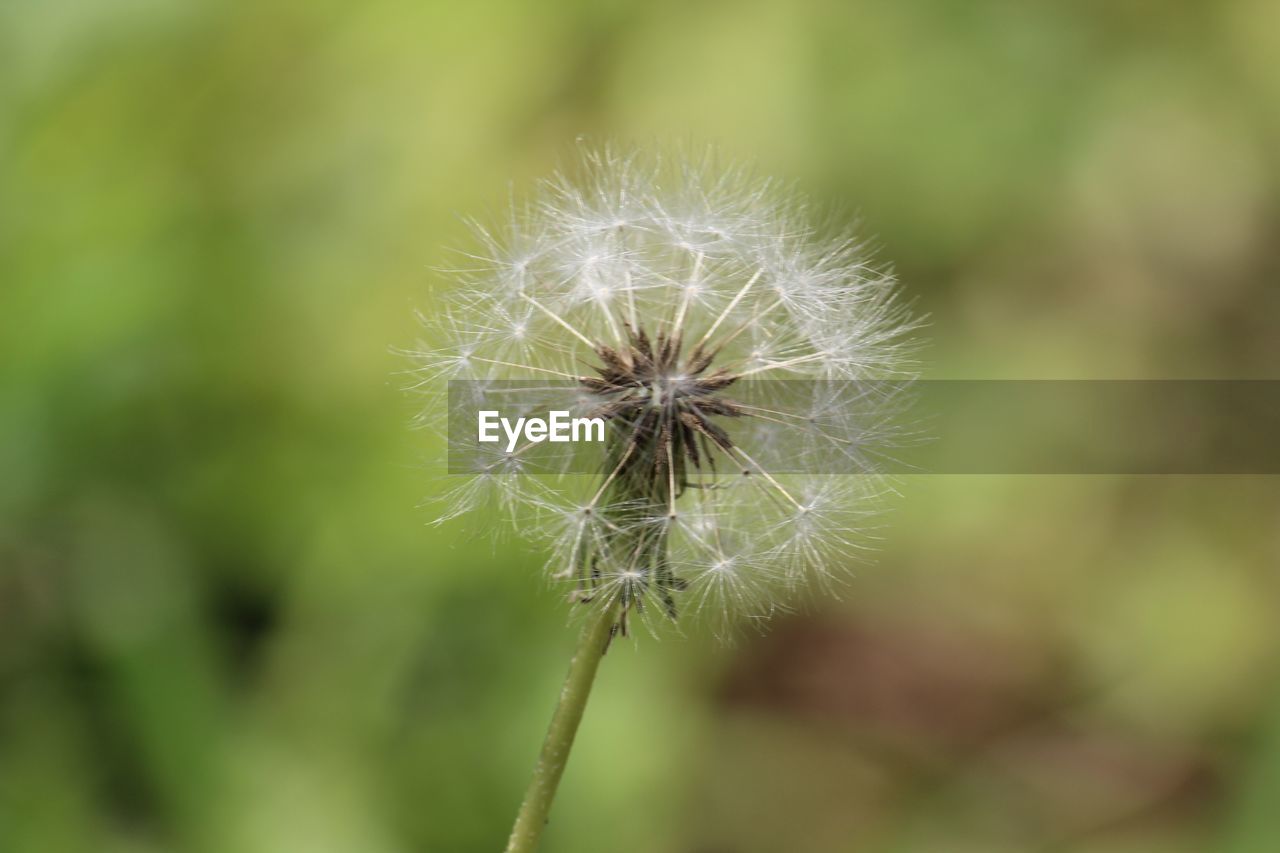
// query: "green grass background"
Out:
[226,626]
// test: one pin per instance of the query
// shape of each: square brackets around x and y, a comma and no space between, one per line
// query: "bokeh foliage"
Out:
[225,624]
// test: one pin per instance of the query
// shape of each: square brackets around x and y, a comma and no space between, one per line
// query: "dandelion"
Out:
[735,351]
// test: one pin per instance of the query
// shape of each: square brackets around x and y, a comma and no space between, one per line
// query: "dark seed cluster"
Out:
[660,404]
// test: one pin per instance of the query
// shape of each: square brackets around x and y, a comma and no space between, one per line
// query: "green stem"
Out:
[592,643]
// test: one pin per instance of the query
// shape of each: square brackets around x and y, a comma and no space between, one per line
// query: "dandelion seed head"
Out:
[657,287]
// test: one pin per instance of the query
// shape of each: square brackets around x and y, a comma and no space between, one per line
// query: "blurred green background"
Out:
[225,624]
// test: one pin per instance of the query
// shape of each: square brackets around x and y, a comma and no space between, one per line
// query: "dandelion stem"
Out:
[592,643]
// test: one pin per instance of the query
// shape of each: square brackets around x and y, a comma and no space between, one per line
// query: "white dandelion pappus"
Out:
[660,289]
